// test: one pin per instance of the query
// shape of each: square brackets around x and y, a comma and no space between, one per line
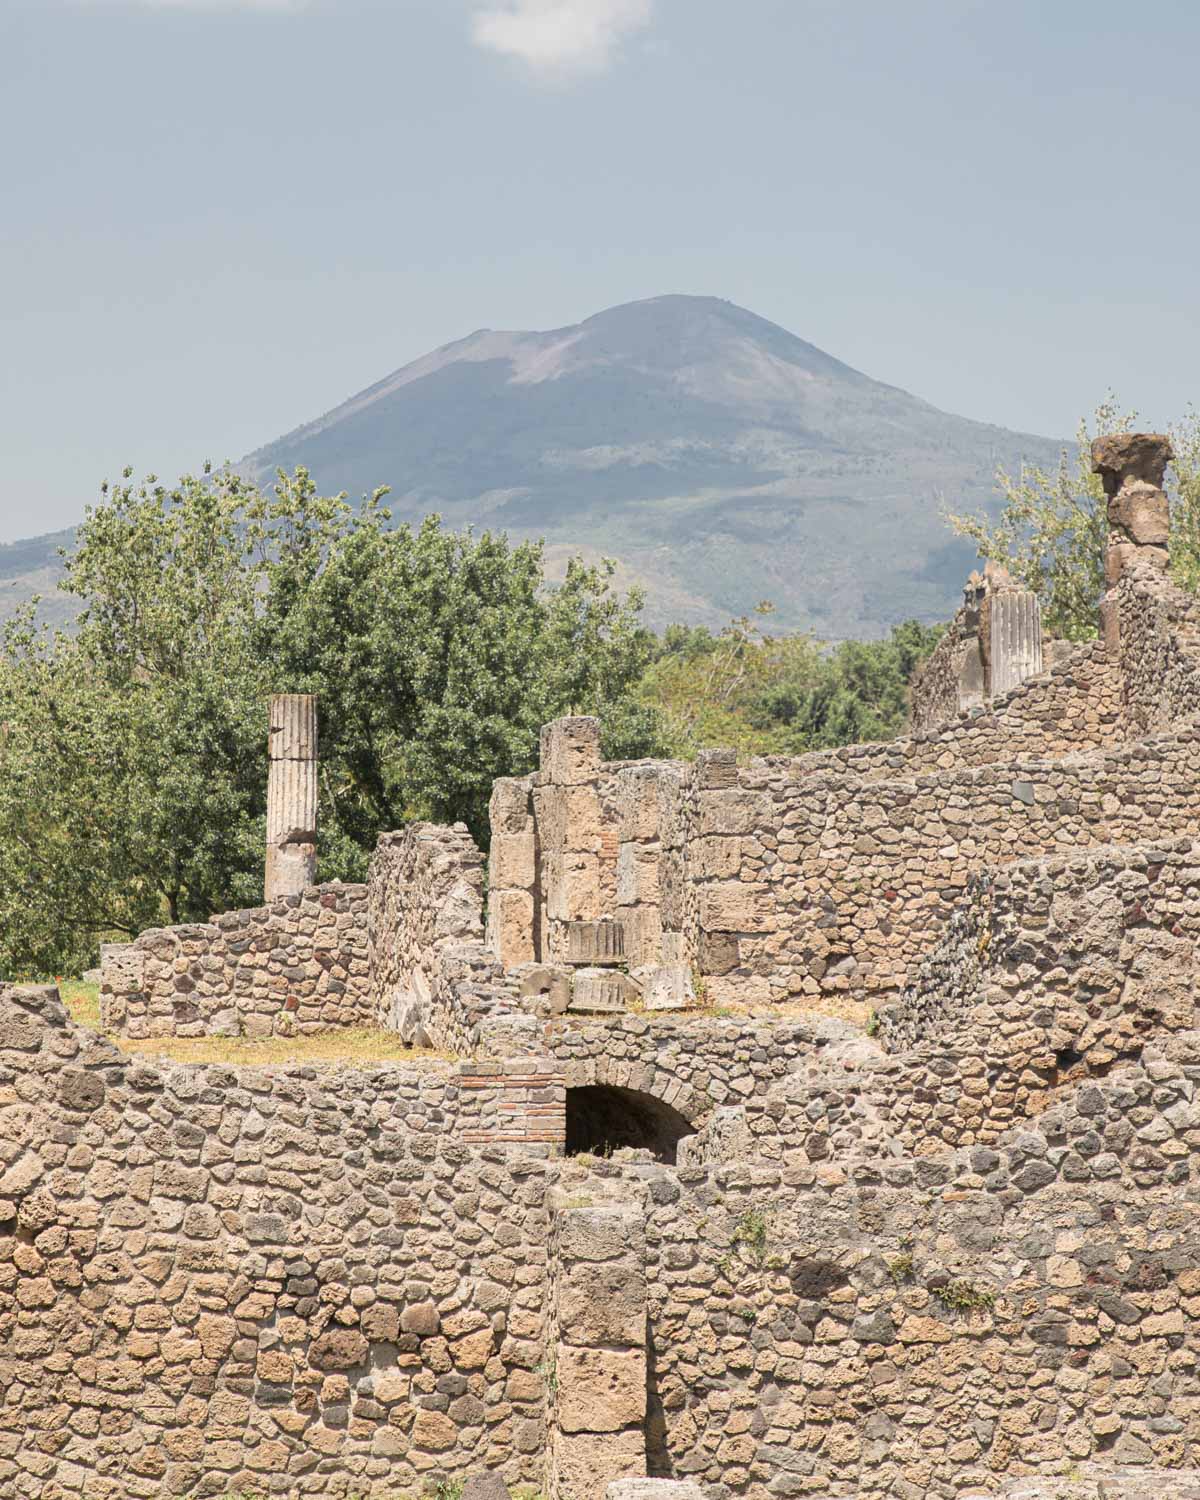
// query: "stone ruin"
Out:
[819,1127]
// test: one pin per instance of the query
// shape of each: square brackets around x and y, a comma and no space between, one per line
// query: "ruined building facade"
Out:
[821,1126]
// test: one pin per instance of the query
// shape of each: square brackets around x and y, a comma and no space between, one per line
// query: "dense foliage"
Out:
[132,765]
[132,785]
[1053,528]
[781,694]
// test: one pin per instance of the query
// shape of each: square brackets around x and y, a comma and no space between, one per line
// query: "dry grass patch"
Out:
[360,1046]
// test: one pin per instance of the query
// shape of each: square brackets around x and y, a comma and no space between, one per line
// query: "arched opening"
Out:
[601,1118]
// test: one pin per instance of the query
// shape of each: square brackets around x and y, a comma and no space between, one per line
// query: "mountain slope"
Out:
[720,458]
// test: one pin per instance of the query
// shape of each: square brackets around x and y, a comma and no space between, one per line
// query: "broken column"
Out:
[1131,466]
[291,795]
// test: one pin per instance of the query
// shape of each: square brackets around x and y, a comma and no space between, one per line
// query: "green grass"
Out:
[82,1001]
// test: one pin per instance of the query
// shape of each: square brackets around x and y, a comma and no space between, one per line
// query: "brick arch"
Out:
[620,1073]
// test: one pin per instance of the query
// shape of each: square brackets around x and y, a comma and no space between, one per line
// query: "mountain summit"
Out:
[719,458]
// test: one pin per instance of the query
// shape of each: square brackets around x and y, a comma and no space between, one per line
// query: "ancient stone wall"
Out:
[1159,628]
[432,977]
[915,1328]
[297,965]
[212,1277]
[853,880]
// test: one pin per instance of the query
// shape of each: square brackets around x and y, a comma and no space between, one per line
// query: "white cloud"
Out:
[561,36]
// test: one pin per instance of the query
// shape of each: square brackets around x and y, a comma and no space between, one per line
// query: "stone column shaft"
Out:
[291,795]
[1131,466]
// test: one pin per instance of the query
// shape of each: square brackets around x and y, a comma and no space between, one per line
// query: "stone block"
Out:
[643,935]
[735,906]
[510,809]
[573,890]
[734,811]
[600,1234]
[602,1303]
[512,862]
[602,991]
[716,858]
[639,798]
[570,750]
[510,927]
[718,952]
[716,768]
[600,1390]
[669,988]
[595,943]
[1140,510]
[637,875]
[1131,455]
[582,1465]
[583,819]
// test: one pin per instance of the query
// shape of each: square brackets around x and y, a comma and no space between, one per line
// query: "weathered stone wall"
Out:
[916,1328]
[855,879]
[213,1279]
[297,965]
[1073,706]
[1159,628]
[432,976]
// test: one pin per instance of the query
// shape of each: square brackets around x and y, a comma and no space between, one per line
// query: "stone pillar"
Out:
[1131,466]
[566,803]
[597,1350]
[513,915]
[1014,640]
[291,795]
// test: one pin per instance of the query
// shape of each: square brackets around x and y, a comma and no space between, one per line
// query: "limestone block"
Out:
[510,809]
[573,891]
[511,863]
[583,1464]
[602,991]
[734,811]
[669,988]
[639,801]
[583,819]
[600,1390]
[716,858]
[550,814]
[643,934]
[735,906]
[602,1303]
[510,927]
[637,875]
[595,943]
[570,750]
[600,1234]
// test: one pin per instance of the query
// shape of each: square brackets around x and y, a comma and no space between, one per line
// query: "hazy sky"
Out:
[220,217]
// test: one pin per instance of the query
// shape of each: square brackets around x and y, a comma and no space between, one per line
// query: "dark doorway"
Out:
[602,1118]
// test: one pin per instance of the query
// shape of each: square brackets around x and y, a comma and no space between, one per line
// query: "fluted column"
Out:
[291,795]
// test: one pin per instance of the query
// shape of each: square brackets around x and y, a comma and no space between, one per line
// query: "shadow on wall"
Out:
[601,1118]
